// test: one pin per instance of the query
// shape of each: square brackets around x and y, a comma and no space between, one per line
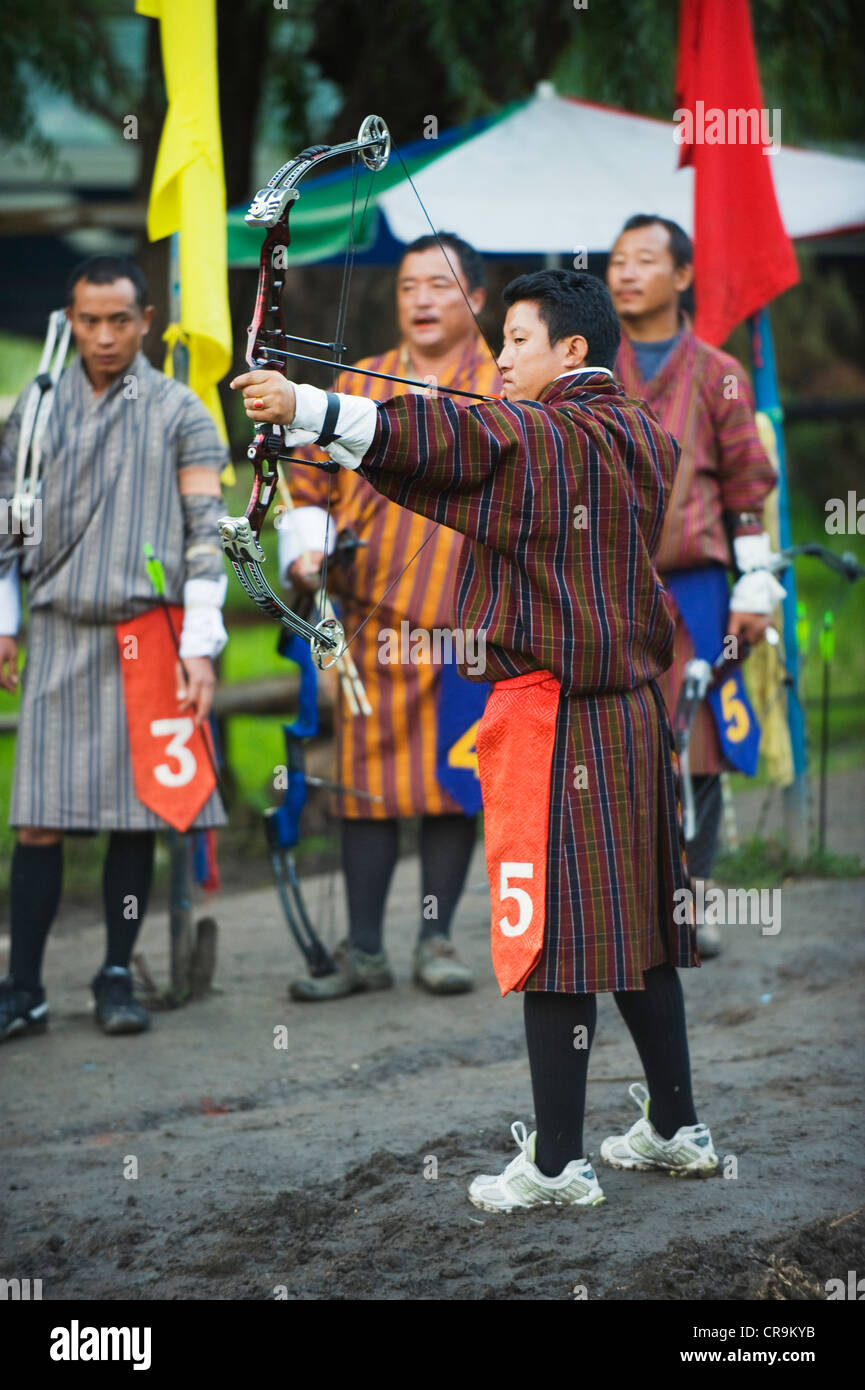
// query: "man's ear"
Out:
[147,315]
[683,278]
[578,351]
[477,299]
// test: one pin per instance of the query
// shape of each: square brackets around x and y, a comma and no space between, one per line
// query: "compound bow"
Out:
[270,347]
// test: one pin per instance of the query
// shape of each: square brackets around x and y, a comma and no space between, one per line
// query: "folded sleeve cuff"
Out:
[10,602]
[302,529]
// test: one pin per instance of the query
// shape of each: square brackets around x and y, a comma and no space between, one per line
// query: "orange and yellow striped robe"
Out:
[392,753]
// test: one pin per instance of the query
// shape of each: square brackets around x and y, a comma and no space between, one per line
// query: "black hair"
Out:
[471,262]
[681,246]
[104,270]
[571,302]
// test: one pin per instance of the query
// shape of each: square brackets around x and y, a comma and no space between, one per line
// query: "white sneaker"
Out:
[690,1152]
[523,1185]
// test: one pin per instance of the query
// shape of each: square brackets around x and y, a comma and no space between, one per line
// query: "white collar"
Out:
[577,370]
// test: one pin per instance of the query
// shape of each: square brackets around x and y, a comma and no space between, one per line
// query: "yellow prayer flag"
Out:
[188,191]
[764,670]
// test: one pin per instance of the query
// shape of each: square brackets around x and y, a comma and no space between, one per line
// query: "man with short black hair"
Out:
[130,458]
[714,519]
[560,489]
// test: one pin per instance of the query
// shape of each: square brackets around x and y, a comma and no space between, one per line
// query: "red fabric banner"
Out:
[742,254]
[170,766]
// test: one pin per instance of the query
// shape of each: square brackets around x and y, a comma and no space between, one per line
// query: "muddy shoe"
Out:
[438,968]
[21,1010]
[689,1153]
[708,942]
[708,934]
[116,1008]
[522,1185]
[356,971]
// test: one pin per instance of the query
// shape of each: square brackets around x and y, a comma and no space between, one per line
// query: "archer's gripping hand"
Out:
[267,397]
[342,425]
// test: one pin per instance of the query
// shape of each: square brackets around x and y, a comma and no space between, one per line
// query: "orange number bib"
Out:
[170,765]
[515,755]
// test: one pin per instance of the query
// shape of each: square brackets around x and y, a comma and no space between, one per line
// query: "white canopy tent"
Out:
[557,174]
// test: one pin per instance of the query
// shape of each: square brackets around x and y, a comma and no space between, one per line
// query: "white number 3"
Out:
[523,900]
[178,732]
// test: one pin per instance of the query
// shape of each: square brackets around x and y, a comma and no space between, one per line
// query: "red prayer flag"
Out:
[742,255]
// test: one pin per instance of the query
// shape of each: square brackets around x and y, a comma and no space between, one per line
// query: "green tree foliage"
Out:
[71,45]
[811,65]
[299,64]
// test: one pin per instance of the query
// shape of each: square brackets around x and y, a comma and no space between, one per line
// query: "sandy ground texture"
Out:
[306,1170]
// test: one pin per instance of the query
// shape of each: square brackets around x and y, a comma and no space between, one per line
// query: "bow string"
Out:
[271,347]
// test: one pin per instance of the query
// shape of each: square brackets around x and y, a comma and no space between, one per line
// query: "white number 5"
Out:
[178,731]
[523,899]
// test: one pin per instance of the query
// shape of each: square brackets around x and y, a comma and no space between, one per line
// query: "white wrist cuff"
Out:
[756,592]
[10,602]
[309,408]
[303,529]
[752,552]
[203,632]
[354,430]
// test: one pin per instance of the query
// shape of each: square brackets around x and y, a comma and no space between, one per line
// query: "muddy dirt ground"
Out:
[302,1169]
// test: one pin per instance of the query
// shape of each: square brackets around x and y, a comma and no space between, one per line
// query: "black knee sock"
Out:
[34,896]
[709,807]
[559,1033]
[656,1019]
[446,847]
[126,878]
[370,849]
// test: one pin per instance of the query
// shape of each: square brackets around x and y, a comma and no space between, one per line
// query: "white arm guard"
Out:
[353,431]
[10,602]
[203,632]
[300,530]
[757,591]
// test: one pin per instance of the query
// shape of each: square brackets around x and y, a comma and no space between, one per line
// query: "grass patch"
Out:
[19,362]
[767,863]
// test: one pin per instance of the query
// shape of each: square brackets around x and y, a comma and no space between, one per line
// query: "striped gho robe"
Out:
[392,752]
[575,593]
[723,467]
[109,484]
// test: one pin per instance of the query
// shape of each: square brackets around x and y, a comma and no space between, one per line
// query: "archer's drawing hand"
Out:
[267,397]
[8,664]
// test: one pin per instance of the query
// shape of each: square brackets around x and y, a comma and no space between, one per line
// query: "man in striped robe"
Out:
[561,490]
[392,753]
[714,518]
[129,457]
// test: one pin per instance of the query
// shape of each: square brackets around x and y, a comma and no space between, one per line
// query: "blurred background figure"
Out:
[393,752]
[129,457]
[703,397]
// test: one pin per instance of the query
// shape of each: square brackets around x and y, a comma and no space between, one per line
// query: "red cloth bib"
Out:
[515,744]
[172,772]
